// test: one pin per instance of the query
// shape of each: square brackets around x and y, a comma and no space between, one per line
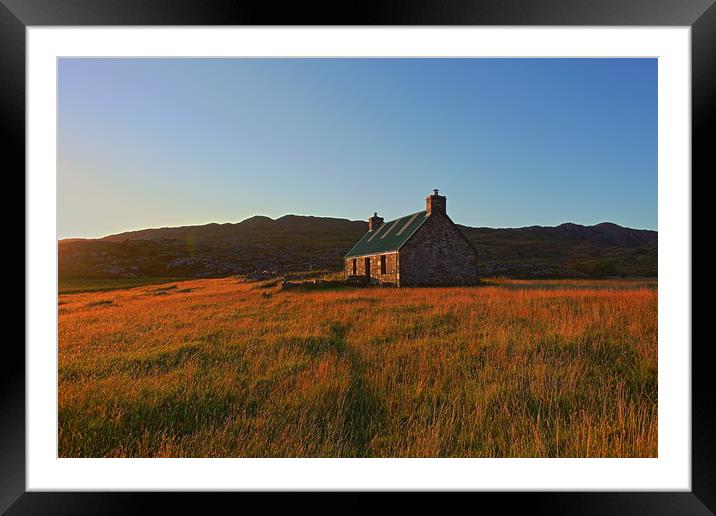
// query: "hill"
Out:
[299,243]
[567,250]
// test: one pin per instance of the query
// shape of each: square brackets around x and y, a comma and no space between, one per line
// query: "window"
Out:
[355,266]
[382,264]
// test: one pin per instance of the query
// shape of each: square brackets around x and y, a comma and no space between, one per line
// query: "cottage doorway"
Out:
[367,267]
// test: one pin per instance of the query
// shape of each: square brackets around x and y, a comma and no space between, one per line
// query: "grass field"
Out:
[224,368]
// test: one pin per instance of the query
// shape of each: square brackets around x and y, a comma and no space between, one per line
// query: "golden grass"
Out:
[222,368]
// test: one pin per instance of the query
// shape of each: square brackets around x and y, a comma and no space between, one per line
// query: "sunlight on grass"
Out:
[224,368]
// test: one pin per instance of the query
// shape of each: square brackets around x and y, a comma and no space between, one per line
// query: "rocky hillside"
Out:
[297,243]
[567,250]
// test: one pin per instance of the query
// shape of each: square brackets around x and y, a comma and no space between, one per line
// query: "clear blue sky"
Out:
[511,142]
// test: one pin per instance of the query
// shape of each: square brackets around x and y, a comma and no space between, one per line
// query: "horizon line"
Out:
[331,217]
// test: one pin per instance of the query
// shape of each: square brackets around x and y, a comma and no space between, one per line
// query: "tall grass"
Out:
[219,368]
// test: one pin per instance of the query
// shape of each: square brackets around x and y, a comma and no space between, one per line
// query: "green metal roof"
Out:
[390,236]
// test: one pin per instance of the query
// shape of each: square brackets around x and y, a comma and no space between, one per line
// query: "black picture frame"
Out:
[17,15]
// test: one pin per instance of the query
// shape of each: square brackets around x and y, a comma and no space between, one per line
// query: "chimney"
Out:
[436,203]
[374,222]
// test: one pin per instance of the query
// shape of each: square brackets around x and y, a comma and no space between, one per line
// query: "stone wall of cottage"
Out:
[391,267]
[437,254]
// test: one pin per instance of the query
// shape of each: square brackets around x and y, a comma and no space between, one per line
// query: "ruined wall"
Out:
[391,267]
[437,255]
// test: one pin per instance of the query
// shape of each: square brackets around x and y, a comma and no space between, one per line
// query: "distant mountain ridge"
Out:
[214,232]
[298,243]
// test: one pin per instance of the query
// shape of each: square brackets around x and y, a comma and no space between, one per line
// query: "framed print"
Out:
[243,272]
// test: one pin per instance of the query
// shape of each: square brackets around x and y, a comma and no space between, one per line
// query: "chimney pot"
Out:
[436,203]
[375,221]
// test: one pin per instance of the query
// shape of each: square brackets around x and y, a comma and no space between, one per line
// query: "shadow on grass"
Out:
[365,414]
[308,286]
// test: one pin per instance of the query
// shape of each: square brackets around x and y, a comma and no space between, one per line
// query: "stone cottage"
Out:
[421,249]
